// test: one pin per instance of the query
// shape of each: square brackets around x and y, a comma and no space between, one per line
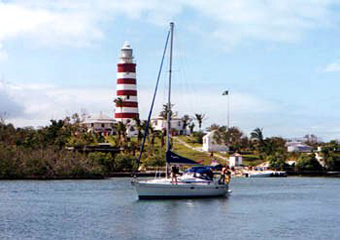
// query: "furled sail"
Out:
[173,158]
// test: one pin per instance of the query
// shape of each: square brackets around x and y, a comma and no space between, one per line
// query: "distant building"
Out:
[298,147]
[159,123]
[100,123]
[235,160]
[210,144]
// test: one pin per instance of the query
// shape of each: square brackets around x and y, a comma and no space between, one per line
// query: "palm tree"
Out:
[119,102]
[121,129]
[191,127]
[186,121]
[199,117]
[164,112]
[257,136]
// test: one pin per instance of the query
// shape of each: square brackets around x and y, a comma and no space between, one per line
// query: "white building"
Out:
[100,123]
[210,144]
[160,123]
[298,147]
[235,160]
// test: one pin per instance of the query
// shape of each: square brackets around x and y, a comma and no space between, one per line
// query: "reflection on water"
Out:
[278,208]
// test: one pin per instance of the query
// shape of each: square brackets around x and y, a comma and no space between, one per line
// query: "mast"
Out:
[168,127]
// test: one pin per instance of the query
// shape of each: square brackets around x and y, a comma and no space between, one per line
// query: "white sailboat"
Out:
[196,182]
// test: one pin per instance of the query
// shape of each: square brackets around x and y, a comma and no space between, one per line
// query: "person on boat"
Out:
[225,172]
[174,172]
[210,174]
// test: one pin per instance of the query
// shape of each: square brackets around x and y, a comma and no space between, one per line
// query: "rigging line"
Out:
[153,101]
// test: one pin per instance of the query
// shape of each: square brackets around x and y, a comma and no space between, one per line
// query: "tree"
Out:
[257,136]
[231,137]
[164,112]
[277,161]
[308,162]
[199,117]
[186,121]
[3,116]
[331,155]
[191,127]
[311,140]
[119,103]
[274,145]
[121,130]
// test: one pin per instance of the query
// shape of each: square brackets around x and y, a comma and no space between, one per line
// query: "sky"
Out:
[280,60]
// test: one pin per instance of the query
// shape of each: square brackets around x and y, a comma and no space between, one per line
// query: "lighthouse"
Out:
[126,101]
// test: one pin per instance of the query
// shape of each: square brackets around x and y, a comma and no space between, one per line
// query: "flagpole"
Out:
[228,109]
[226,92]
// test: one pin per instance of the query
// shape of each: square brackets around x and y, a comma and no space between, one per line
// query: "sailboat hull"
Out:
[159,190]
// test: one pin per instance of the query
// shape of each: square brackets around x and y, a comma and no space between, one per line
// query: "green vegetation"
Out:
[331,154]
[308,163]
[43,153]
[192,154]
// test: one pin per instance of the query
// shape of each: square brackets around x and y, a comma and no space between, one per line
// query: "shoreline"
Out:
[331,174]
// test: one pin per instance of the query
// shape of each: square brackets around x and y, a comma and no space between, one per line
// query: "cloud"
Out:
[38,103]
[3,53]
[47,26]
[80,23]
[42,102]
[8,103]
[35,104]
[274,21]
[333,67]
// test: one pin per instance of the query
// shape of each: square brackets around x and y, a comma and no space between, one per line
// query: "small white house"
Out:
[210,144]
[235,160]
[159,123]
[298,147]
[100,123]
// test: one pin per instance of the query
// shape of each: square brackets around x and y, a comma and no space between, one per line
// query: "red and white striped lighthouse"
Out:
[127,107]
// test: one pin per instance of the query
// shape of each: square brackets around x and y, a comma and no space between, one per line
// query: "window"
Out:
[179,123]
[128,97]
[103,125]
[92,124]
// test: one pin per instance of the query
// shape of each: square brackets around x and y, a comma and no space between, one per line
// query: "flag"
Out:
[226,92]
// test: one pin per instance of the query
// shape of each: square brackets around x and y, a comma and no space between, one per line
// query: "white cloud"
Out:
[278,21]
[3,53]
[38,103]
[47,26]
[35,104]
[333,67]
[79,23]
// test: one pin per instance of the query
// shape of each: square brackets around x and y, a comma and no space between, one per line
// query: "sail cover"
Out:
[173,158]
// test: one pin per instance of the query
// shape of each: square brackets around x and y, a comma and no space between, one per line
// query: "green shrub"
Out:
[308,162]
[104,159]
[277,161]
[155,160]
[125,162]
[198,137]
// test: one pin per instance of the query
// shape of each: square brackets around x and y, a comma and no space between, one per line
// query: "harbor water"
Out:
[267,208]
